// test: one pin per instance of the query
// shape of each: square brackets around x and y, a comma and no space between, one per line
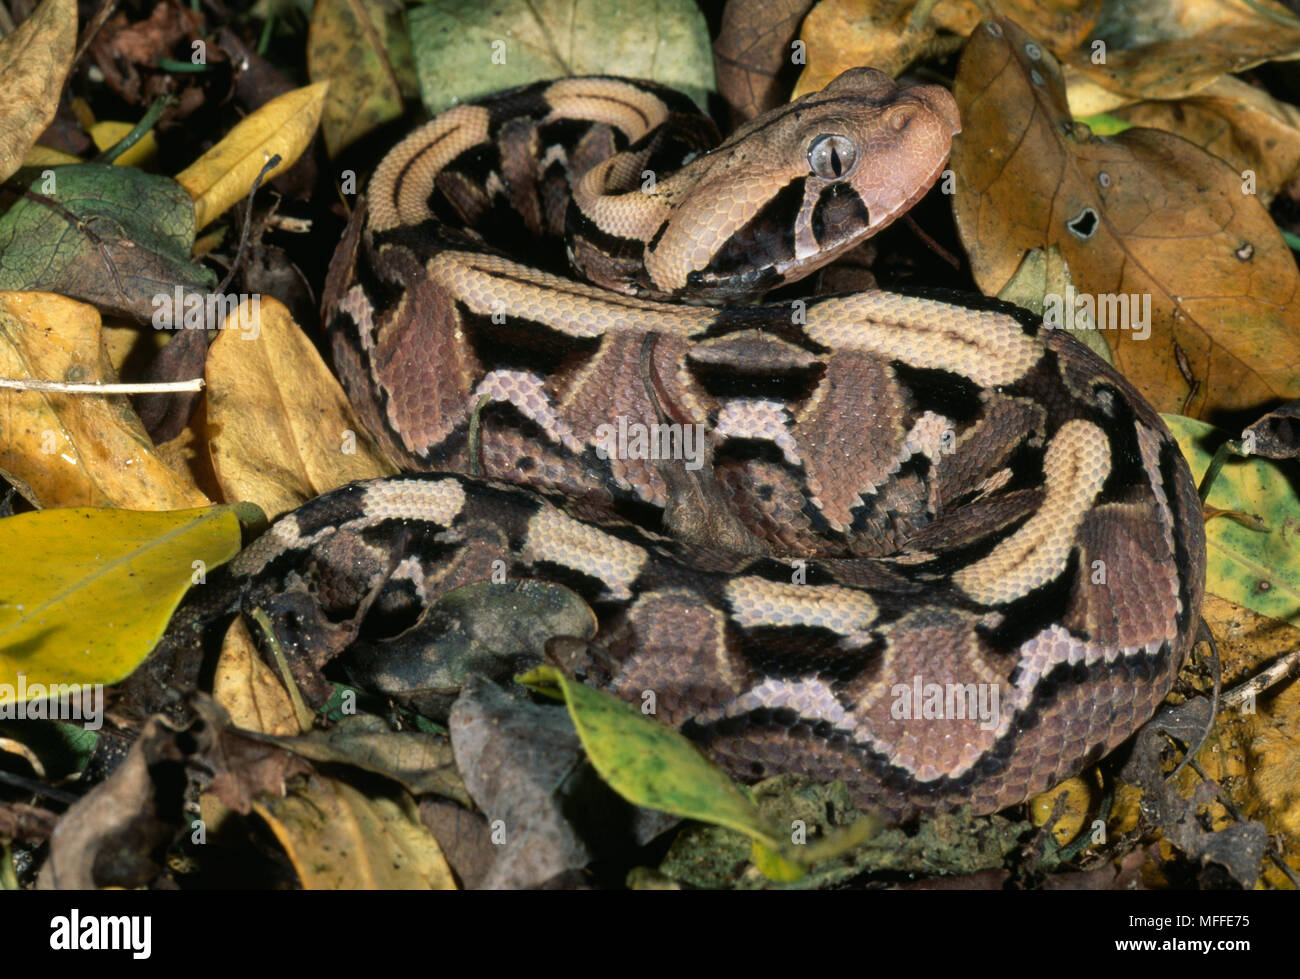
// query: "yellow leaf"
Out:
[1254,568]
[34,61]
[1079,804]
[43,156]
[248,688]
[225,174]
[84,113]
[339,839]
[86,593]
[1252,750]
[282,429]
[108,133]
[772,865]
[74,449]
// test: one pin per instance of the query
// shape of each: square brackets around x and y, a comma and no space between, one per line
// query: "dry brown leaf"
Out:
[281,429]
[248,688]
[840,34]
[110,837]
[421,762]
[34,61]
[126,50]
[1172,48]
[843,34]
[752,49]
[1142,214]
[338,839]
[1237,122]
[1061,24]
[74,449]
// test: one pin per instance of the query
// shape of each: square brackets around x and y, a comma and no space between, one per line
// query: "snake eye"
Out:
[831,155]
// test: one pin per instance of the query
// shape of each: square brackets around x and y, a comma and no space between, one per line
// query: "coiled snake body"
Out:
[928,547]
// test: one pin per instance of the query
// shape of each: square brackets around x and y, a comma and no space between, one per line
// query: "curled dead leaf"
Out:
[34,61]
[891,34]
[1237,122]
[1175,48]
[340,839]
[248,689]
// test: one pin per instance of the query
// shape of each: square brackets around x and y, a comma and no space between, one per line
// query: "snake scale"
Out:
[922,544]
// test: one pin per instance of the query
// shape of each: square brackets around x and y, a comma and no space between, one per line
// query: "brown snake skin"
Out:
[928,547]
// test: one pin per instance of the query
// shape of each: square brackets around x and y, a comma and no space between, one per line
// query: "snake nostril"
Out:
[900,119]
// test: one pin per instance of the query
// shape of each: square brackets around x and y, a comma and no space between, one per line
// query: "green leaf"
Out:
[649,764]
[466,51]
[85,593]
[115,237]
[1258,570]
[1105,124]
[1044,272]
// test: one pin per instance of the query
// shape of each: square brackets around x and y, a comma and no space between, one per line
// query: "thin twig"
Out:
[94,387]
[101,16]
[1275,673]
[270,164]
[933,245]
[39,788]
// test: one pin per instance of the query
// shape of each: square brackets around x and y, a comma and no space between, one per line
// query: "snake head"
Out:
[795,188]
